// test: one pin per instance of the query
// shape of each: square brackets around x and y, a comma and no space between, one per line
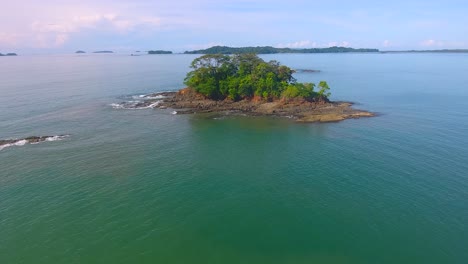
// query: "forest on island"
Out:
[245,76]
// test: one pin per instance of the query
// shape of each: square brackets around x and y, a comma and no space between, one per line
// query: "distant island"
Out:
[159,52]
[429,51]
[80,52]
[246,84]
[273,50]
[9,54]
[103,51]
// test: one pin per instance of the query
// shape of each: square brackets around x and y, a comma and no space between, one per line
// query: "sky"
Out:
[179,25]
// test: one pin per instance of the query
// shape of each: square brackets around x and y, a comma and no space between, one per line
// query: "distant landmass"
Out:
[159,52]
[429,51]
[80,51]
[273,50]
[103,51]
[9,54]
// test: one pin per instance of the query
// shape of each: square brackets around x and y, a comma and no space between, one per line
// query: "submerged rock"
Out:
[29,140]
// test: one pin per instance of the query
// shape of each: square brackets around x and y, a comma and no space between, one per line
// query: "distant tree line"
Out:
[159,52]
[429,51]
[272,50]
[245,76]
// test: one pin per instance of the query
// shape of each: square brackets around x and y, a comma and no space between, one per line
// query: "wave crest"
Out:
[29,140]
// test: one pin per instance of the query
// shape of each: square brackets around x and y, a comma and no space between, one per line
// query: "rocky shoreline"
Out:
[186,101]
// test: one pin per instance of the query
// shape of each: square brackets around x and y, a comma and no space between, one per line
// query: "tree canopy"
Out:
[244,76]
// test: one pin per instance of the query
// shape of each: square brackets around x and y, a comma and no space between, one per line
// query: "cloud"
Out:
[174,24]
[55,33]
[432,43]
[312,44]
[298,44]
[8,40]
[386,43]
[60,39]
[203,46]
[338,44]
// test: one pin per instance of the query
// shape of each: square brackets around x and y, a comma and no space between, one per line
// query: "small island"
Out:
[80,52]
[246,84]
[151,52]
[9,54]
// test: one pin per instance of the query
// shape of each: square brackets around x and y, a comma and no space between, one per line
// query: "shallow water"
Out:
[148,186]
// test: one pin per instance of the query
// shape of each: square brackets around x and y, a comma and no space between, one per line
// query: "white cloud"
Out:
[439,44]
[298,44]
[55,33]
[387,43]
[203,46]
[312,44]
[432,43]
[8,40]
[338,44]
[60,39]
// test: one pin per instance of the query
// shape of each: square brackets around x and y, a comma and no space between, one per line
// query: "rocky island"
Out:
[246,84]
[152,52]
[8,54]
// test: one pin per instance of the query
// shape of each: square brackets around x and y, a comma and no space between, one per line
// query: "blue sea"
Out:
[148,186]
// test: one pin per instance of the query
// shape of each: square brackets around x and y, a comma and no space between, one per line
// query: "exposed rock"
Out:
[29,140]
[187,101]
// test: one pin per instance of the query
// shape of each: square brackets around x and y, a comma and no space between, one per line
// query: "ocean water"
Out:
[147,186]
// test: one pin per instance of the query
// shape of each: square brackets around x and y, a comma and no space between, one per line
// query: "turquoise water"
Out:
[146,186]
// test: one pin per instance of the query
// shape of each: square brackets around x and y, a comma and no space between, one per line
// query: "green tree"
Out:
[324,90]
[242,76]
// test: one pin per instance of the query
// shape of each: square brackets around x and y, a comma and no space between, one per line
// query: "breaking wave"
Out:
[142,101]
[29,140]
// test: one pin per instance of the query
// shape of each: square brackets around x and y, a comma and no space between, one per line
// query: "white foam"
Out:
[5,146]
[20,143]
[174,112]
[56,138]
[23,142]
[157,97]
[153,105]
[148,97]
[117,106]
[132,105]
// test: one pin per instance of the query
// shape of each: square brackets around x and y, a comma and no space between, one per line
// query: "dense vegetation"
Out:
[272,50]
[159,52]
[244,76]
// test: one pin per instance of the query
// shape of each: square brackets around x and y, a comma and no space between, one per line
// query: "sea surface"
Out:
[150,186]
